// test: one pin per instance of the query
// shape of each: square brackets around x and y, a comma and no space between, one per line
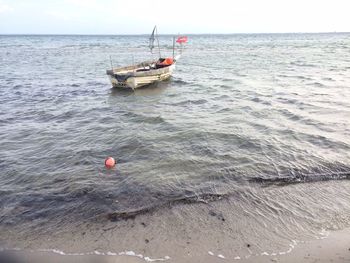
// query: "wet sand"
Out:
[333,248]
[261,230]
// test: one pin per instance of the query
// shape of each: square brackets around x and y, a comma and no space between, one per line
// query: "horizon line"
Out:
[168,34]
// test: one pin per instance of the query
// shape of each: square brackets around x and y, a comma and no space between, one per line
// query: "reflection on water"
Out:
[149,90]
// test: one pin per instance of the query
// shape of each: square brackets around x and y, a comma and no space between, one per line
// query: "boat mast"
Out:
[158,41]
[153,36]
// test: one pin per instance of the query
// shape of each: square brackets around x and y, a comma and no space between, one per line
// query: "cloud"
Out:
[64,16]
[5,8]
[139,17]
[89,4]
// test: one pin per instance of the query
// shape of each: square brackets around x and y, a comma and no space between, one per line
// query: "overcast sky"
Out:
[172,17]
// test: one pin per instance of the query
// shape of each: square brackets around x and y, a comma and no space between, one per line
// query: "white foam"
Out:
[98,253]
[265,254]
[130,253]
[210,253]
[221,256]
[291,247]
[324,234]
[237,257]
[156,259]
[56,251]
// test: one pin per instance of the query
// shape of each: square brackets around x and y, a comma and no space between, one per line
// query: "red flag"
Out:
[181,40]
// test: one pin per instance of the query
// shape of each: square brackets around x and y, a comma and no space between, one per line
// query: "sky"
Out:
[172,17]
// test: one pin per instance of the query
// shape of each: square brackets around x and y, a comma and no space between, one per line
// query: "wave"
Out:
[180,82]
[302,64]
[317,84]
[140,118]
[189,102]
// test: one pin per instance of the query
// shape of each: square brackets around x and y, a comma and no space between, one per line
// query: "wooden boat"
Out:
[147,72]
[142,74]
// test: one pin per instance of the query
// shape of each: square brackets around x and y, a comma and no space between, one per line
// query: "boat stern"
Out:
[115,82]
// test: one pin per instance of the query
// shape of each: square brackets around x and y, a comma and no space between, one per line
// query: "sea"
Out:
[244,152]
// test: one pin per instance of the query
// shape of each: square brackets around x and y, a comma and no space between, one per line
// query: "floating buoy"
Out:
[109,162]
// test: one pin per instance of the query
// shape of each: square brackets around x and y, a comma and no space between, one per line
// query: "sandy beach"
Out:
[215,232]
[333,248]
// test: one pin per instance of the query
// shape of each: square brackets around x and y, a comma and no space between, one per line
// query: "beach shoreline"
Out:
[334,247]
[226,230]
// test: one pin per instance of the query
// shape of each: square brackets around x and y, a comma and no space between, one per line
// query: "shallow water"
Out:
[242,113]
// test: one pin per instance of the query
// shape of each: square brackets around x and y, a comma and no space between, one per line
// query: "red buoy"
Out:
[109,162]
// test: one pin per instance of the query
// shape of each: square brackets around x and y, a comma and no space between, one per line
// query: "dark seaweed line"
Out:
[301,178]
[203,198]
[210,197]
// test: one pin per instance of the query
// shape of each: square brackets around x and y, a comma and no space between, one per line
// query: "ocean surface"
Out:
[252,118]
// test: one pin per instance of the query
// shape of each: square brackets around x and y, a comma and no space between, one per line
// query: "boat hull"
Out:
[135,80]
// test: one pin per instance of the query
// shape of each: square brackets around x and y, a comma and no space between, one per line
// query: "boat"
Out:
[142,74]
[147,72]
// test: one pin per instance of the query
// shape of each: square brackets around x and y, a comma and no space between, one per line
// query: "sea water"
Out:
[261,121]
